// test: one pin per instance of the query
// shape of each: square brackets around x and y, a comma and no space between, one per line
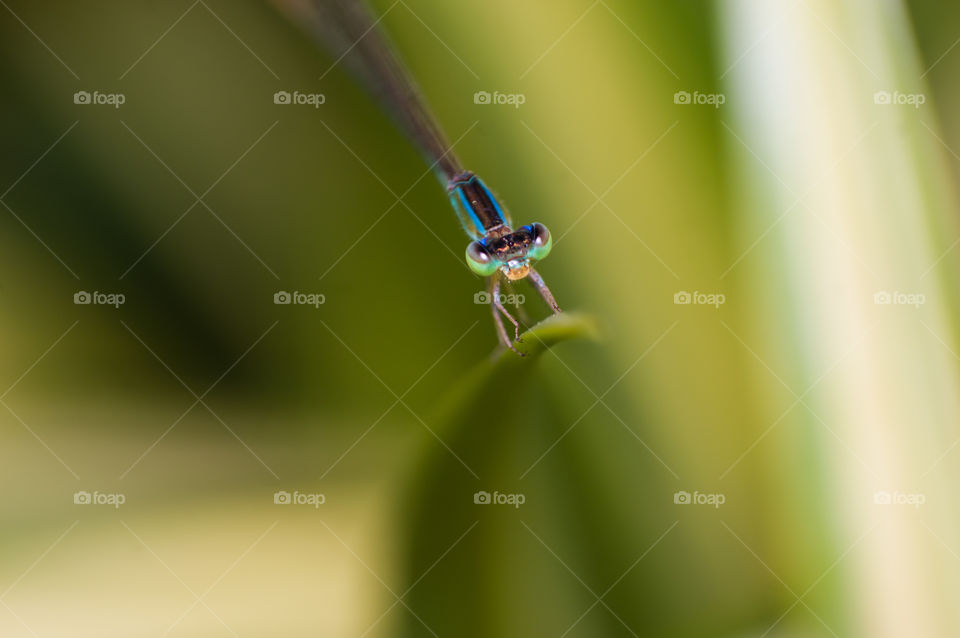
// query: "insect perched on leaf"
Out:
[497,250]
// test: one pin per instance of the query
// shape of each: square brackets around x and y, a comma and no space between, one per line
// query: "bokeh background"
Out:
[783,463]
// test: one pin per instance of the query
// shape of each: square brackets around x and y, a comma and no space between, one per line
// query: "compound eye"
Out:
[542,241]
[480,261]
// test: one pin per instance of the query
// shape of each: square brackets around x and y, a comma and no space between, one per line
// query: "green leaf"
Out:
[496,420]
[506,367]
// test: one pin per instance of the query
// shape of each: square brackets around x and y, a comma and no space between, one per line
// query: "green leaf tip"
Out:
[506,367]
[549,332]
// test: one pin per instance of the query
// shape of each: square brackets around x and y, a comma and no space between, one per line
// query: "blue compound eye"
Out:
[480,261]
[542,242]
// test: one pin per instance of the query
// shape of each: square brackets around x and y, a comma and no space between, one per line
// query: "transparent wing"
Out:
[348,30]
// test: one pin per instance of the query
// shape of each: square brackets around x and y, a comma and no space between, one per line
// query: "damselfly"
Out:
[497,251]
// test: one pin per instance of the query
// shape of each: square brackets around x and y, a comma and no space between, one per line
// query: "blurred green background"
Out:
[783,463]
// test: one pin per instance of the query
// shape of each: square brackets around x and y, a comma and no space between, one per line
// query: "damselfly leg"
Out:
[541,287]
[500,311]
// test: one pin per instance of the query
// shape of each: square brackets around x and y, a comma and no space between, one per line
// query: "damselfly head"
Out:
[510,251]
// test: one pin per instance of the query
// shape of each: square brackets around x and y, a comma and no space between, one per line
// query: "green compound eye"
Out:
[542,242]
[480,261]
